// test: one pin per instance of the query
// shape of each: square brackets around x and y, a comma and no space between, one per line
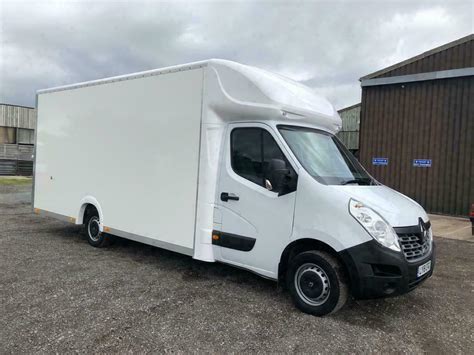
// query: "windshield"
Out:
[324,157]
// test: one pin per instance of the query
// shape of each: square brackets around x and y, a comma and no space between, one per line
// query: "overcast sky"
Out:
[327,45]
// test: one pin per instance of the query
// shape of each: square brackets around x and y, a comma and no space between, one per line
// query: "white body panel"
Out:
[259,214]
[131,146]
[151,152]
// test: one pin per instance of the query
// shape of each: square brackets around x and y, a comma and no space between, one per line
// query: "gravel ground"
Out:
[58,294]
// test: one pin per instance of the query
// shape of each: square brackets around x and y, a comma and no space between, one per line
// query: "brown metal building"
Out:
[417,118]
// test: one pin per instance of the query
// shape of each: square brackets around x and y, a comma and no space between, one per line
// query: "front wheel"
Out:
[317,283]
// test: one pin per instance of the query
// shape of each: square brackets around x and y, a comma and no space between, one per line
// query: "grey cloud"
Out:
[326,45]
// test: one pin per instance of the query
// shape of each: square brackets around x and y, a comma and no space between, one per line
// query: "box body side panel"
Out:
[132,145]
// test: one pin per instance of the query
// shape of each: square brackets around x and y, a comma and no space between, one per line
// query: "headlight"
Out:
[374,224]
[430,236]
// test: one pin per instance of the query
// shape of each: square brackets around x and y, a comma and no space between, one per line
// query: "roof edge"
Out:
[21,106]
[443,47]
[349,107]
[158,71]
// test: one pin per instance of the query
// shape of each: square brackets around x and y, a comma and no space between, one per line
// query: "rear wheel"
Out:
[317,283]
[95,237]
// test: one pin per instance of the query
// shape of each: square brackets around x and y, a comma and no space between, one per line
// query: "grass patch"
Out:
[7,181]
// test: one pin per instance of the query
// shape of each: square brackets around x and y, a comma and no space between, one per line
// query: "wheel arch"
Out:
[305,244]
[86,201]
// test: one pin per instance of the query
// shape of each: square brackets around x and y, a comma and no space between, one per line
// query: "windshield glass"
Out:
[324,157]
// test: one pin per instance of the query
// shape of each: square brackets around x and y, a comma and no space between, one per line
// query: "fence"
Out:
[16,159]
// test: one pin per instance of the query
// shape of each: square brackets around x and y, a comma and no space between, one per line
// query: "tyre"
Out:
[95,237]
[317,283]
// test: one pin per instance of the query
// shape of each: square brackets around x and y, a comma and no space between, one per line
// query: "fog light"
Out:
[389,288]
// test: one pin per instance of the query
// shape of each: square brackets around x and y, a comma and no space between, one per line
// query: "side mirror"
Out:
[281,178]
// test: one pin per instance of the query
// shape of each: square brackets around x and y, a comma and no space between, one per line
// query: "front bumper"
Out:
[375,271]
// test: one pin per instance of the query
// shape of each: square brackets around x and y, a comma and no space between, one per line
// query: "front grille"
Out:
[414,246]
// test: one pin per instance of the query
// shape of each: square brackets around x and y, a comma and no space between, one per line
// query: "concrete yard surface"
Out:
[452,227]
[58,294]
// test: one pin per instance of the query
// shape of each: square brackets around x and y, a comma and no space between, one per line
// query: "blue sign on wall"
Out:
[422,163]
[379,161]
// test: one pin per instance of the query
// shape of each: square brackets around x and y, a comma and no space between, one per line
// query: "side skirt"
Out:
[123,234]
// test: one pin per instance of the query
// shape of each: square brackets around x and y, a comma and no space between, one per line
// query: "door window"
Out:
[253,151]
[246,153]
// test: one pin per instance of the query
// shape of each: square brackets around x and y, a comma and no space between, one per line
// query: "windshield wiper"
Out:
[360,181]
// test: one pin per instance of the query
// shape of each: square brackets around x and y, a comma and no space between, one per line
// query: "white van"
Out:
[228,163]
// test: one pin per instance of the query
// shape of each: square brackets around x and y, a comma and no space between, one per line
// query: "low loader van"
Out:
[228,163]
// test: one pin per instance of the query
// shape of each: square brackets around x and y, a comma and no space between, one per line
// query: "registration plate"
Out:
[423,269]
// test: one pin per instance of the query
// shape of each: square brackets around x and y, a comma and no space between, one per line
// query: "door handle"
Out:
[225,196]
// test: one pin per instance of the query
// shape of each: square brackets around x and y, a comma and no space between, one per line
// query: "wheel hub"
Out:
[94,229]
[312,284]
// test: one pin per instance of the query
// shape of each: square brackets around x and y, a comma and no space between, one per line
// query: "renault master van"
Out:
[228,163]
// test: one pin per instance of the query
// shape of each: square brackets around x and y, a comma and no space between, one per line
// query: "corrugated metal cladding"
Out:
[17,124]
[16,152]
[17,116]
[424,120]
[349,134]
[16,167]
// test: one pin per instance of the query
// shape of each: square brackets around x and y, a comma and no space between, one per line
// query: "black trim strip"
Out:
[412,229]
[233,241]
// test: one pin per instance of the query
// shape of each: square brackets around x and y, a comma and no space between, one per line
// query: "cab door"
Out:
[256,199]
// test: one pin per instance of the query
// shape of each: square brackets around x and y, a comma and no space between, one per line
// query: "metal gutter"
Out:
[436,75]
